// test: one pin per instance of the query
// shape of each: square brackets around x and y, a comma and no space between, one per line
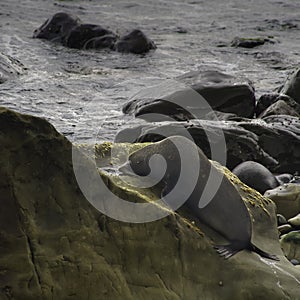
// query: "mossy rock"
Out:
[56,245]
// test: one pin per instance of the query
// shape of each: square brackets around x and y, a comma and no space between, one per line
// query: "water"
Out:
[81,92]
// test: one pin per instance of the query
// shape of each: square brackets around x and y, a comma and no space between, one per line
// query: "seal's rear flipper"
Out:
[226,250]
[263,253]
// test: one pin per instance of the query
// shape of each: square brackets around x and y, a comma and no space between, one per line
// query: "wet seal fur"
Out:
[226,213]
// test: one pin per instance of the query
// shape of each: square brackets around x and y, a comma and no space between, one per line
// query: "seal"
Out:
[256,176]
[226,213]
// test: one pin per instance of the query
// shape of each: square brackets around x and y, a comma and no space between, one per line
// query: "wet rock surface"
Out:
[88,36]
[71,32]
[9,67]
[268,102]
[193,95]
[249,42]
[292,86]
[56,245]
[254,140]
[57,28]
[135,42]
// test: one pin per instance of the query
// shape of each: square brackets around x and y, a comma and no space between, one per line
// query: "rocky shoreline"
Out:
[59,238]
[56,245]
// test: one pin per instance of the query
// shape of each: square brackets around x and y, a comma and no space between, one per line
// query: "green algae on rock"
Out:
[55,245]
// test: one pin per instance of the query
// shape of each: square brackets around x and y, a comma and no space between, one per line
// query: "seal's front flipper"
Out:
[263,253]
[226,250]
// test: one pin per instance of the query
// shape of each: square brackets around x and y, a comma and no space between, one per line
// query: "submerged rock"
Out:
[9,67]
[69,31]
[57,27]
[135,42]
[260,140]
[55,245]
[193,95]
[249,42]
[87,36]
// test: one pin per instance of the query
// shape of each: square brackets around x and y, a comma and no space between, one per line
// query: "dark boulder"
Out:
[267,100]
[264,141]
[256,176]
[249,42]
[192,96]
[57,27]
[86,36]
[105,41]
[135,42]
[279,108]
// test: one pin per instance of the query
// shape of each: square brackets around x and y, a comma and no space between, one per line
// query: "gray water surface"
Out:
[82,92]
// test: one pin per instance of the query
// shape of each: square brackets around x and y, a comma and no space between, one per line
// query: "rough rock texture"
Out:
[55,245]
[292,86]
[267,105]
[180,99]
[9,67]
[261,140]
[279,108]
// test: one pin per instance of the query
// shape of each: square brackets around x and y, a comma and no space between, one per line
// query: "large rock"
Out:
[57,27]
[69,31]
[55,245]
[279,108]
[87,36]
[9,67]
[192,96]
[261,140]
[292,86]
[134,42]
[267,104]
[286,198]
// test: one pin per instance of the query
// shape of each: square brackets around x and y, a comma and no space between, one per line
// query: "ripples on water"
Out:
[82,92]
